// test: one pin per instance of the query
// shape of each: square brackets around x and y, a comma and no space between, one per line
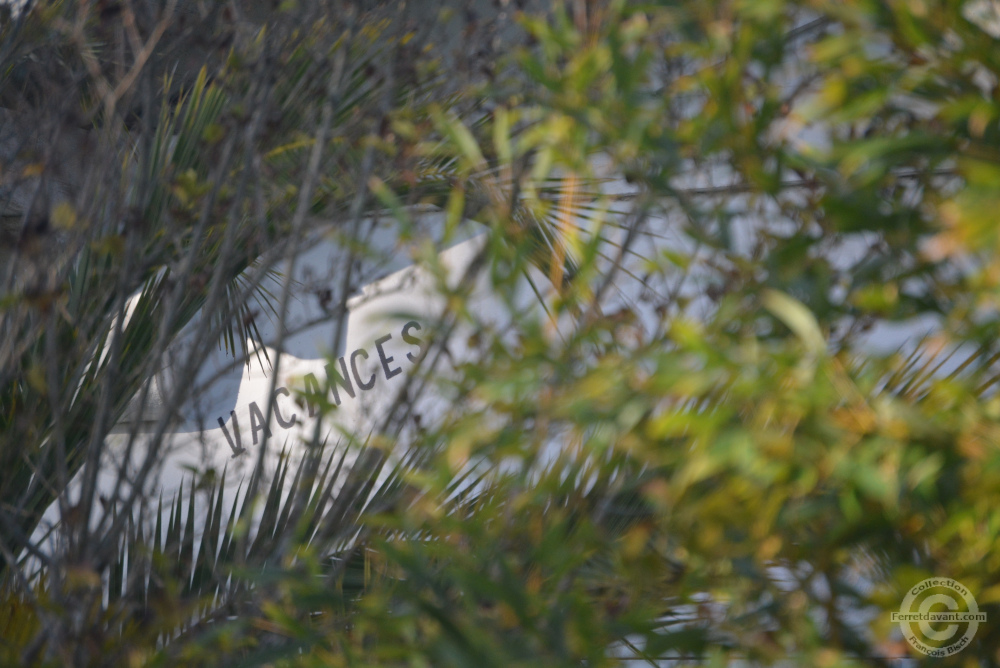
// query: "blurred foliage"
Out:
[700,451]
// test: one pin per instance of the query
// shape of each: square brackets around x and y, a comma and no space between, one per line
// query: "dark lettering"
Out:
[389,373]
[412,340]
[285,424]
[257,421]
[237,446]
[335,378]
[354,367]
[313,389]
